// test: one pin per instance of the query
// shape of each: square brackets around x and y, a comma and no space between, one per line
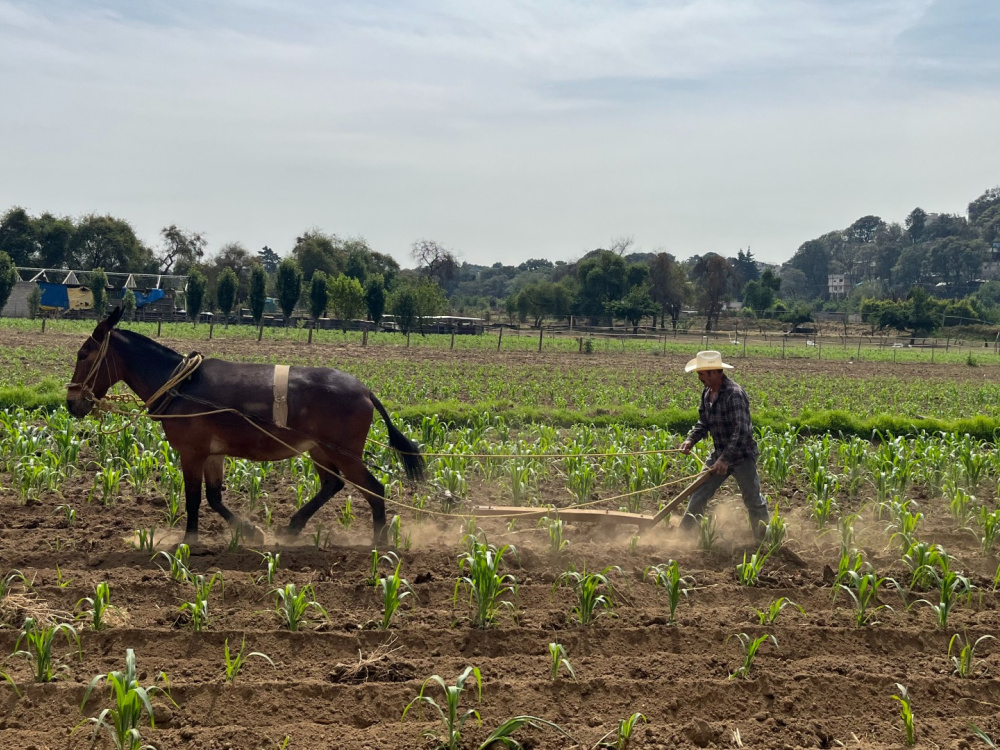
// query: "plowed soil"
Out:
[341,683]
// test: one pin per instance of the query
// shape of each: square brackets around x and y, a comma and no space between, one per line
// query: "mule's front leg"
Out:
[192,471]
[215,469]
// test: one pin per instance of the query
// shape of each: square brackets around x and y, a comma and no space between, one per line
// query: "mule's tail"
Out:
[413,462]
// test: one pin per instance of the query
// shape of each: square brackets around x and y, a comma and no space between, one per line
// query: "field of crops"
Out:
[873,600]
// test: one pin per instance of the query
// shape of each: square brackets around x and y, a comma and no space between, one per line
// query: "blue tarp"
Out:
[54,295]
[147,298]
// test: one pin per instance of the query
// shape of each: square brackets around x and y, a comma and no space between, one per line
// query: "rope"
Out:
[431,454]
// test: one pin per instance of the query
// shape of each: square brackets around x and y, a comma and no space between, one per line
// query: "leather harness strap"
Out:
[281,395]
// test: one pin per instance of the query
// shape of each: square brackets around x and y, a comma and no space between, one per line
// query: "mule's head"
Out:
[92,377]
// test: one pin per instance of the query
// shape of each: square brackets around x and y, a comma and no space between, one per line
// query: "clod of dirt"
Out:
[701,733]
[424,577]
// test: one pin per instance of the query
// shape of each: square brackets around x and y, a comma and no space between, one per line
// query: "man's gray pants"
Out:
[746,476]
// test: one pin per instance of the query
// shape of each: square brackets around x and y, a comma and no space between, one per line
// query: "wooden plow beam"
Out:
[590,515]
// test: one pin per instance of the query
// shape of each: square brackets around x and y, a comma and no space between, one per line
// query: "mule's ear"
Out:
[114,317]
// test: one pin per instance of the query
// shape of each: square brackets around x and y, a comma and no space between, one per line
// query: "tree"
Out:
[8,277]
[347,298]
[180,247]
[757,296]
[108,243]
[99,288]
[716,279]
[602,278]
[813,259]
[746,267]
[289,282]
[317,251]
[668,286]
[403,304]
[128,304]
[430,299]
[357,265]
[34,301]
[195,296]
[52,237]
[318,296]
[634,306]
[916,221]
[269,259]
[436,262]
[235,256]
[225,291]
[983,203]
[258,293]
[375,298]
[17,236]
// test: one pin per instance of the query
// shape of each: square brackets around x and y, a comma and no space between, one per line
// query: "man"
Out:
[724,413]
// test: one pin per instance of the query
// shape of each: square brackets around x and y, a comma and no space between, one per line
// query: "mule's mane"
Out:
[150,354]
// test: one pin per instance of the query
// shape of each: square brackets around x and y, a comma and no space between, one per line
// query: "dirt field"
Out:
[828,683]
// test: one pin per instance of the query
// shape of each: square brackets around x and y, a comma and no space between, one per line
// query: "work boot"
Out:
[758,523]
[689,524]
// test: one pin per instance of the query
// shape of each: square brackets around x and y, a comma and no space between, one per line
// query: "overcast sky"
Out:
[502,130]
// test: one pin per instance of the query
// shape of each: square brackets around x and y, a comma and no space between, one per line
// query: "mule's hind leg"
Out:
[357,473]
[330,485]
[215,470]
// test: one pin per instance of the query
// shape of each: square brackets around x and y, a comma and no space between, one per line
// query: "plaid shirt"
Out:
[728,421]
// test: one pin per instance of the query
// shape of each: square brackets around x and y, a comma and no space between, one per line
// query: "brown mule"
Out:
[329,414]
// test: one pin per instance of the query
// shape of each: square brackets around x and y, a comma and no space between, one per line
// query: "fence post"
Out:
[500,338]
[540,330]
[310,335]
[211,328]
[364,336]
[783,346]
[859,348]
[159,327]
[932,352]
[260,332]
[819,348]
[43,324]
[452,339]
[581,344]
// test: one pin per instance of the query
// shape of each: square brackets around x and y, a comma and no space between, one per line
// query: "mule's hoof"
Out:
[287,535]
[253,535]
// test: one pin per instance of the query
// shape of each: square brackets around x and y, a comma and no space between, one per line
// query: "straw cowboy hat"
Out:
[710,360]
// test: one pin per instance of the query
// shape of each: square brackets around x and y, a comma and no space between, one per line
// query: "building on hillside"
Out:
[837,285]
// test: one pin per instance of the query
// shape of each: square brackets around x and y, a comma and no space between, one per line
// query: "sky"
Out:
[502,130]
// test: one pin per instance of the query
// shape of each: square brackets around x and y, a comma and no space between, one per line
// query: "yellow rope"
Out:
[430,454]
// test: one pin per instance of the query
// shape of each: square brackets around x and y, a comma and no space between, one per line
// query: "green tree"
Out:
[437,263]
[602,278]
[318,296]
[181,247]
[34,301]
[916,221]
[430,299]
[52,236]
[225,291]
[128,304]
[357,264]
[669,286]
[715,278]
[289,282]
[375,298]
[8,277]
[108,243]
[99,288]
[745,267]
[347,298]
[257,296]
[989,199]
[813,259]
[403,303]
[634,306]
[195,296]
[317,251]
[234,256]
[269,259]
[757,296]
[17,236]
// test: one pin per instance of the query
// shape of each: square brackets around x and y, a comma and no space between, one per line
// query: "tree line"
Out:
[883,264]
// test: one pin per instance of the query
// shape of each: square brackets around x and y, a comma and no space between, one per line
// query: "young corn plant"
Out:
[748,572]
[960,505]
[555,528]
[234,662]
[777,530]
[394,590]
[453,719]
[145,539]
[69,513]
[770,615]
[822,496]
[620,737]
[851,561]
[130,701]
[558,658]
[486,584]
[271,561]
[197,611]
[989,528]
[966,653]
[376,561]
[594,592]
[179,563]
[951,586]
[38,641]
[345,515]
[907,518]
[503,737]
[864,588]
[750,648]
[906,714]
[707,535]
[97,606]
[921,558]
[668,576]
[293,606]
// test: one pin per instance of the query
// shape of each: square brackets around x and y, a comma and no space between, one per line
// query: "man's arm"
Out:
[739,416]
[697,432]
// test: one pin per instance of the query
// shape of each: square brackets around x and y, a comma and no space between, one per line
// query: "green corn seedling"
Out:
[951,586]
[750,648]
[69,513]
[197,610]
[920,559]
[38,641]
[131,700]
[776,531]
[706,533]
[145,538]
[989,528]
[559,658]
[293,606]
[179,563]
[864,588]
[453,719]
[345,516]
[555,528]
[394,590]
[486,584]
[668,575]
[621,736]
[983,736]
[906,713]
[594,592]
[502,736]
[966,653]
[770,615]
[271,561]
[235,538]
[748,571]
[376,561]
[234,662]
[97,606]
